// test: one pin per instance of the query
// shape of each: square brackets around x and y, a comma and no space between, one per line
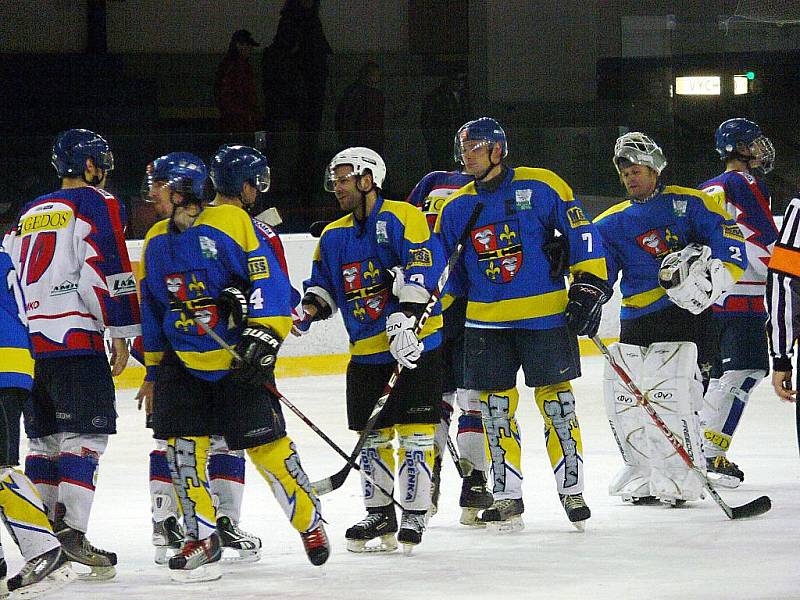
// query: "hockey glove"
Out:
[693,280]
[585,302]
[403,343]
[258,349]
[232,306]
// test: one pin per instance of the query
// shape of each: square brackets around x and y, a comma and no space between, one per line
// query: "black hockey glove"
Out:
[584,309]
[556,250]
[258,348]
[232,306]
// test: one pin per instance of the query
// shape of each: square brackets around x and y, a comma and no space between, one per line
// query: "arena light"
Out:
[696,85]
[740,85]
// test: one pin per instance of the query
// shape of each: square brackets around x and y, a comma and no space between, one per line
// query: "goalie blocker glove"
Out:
[693,280]
[258,349]
[585,302]
[232,306]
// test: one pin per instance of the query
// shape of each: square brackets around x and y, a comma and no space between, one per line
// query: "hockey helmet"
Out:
[639,149]
[484,129]
[362,160]
[232,166]
[183,172]
[737,131]
[74,146]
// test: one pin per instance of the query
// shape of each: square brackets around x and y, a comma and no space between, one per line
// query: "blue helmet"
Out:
[184,173]
[74,146]
[232,166]
[483,129]
[737,131]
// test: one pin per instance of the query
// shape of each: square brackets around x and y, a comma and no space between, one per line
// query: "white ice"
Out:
[642,552]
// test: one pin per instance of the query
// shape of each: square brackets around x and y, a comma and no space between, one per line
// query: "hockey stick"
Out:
[752,509]
[463,466]
[335,481]
[274,391]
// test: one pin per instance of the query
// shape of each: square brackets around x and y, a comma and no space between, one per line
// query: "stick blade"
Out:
[752,509]
[334,482]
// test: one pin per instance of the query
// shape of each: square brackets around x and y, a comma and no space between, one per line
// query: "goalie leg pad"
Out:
[377,462]
[187,458]
[471,437]
[627,421]
[504,441]
[415,456]
[279,463]
[723,406]
[78,463]
[562,435]
[23,514]
[226,478]
[674,388]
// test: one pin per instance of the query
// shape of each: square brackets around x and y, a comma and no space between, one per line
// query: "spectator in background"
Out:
[235,87]
[443,111]
[359,113]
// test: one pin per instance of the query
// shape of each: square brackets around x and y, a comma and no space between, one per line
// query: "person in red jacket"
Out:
[235,87]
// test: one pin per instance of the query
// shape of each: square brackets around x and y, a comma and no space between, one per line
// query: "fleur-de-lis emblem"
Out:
[359,312]
[484,237]
[196,286]
[184,322]
[372,272]
[671,239]
[507,234]
[493,271]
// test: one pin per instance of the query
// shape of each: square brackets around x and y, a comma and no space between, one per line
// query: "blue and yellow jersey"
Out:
[638,235]
[351,264]
[183,272]
[16,362]
[506,274]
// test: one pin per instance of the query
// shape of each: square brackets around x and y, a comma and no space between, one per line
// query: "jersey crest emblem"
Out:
[365,289]
[499,250]
[653,242]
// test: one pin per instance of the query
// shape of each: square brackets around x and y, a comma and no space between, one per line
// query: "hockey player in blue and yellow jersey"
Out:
[519,314]
[677,250]
[351,273]
[209,264]
[21,507]
[740,358]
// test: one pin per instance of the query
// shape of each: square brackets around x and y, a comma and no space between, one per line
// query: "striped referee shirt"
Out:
[783,290]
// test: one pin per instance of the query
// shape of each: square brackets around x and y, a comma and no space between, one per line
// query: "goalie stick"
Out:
[335,481]
[283,399]
[752,509]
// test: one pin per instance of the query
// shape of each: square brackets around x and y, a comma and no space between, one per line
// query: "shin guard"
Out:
[415,456]
[226,478]
[471,439]
[78,463]
[504,442]
[723,406]
[187,458]
[562,435]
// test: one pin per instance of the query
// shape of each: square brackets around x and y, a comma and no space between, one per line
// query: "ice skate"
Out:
[577,511]
[641,500]
[412,525]
[723,472]
[474,498]
[198,560]
[317,545]
[79,550]
[167,539]
[245,547]
[504,516]
[436,482]
[380,523]
[46,573]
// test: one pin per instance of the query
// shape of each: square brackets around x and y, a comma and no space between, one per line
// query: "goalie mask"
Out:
[638,149]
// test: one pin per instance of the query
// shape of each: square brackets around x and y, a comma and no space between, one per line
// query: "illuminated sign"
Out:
[698,85]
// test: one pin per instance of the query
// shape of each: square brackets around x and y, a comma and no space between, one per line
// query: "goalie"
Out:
[677,250]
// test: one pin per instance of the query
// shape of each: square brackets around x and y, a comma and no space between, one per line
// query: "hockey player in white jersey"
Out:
[69,252]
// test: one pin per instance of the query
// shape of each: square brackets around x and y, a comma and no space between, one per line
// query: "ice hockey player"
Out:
[429,195]
[21,508]
[740,358]
[208,264]
[70,255]
[350,273]
[678,251]
[519,315]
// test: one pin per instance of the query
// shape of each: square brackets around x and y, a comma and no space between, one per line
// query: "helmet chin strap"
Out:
[94,181]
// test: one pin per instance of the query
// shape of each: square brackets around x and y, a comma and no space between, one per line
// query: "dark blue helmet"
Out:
[733,132]
[183,172]
[484,129]
[74,146]
[232,166]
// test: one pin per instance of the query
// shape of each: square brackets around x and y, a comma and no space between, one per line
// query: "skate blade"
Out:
[672,502]
[727,481]
[579,525]
[408,548]
[469,517]
[94,573]
[54,581]
[386,543]
[508,526]
[233,556]
[163,554]
[208,572]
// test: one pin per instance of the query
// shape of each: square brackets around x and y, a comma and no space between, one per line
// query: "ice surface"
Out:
[642,552]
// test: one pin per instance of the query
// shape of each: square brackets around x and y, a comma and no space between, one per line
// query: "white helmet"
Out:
[362,160]
[639,149]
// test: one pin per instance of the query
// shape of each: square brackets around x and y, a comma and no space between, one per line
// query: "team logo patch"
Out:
[48,221]
[380,232]
[257,268]
[523,199]
[577,218]
[499,250]
[653,242]
[65,287]
[121,284]
[365,289]
[420,257]
[733,232]
[208,247]
[679,207]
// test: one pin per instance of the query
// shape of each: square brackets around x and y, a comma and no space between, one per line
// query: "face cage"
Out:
[459,152]
[105,161]
[763,151]
[261,181]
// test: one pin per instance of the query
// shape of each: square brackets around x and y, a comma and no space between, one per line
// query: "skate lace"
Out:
[573,501]
[372,519]
[504,505]
[722,462]
[314,538]
[193,548]
[412,521]
[87,545]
